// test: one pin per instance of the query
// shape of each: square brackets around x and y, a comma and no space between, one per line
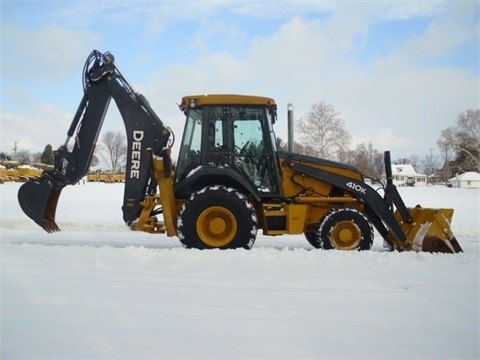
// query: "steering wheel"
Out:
[243,150]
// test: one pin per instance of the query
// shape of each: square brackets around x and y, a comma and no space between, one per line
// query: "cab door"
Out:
[253,151]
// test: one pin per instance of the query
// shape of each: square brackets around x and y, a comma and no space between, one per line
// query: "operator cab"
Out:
[232,132]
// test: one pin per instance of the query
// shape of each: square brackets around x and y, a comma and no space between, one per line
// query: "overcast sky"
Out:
[398,72]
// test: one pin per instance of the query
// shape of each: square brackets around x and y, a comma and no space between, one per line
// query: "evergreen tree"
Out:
[47,155]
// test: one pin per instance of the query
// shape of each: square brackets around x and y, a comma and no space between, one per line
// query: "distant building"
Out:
[405,175]
[466,180]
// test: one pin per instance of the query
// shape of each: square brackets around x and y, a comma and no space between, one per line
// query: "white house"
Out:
[405,175]
[469,179]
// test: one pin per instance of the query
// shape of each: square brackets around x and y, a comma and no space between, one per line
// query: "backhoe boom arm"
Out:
[102,82]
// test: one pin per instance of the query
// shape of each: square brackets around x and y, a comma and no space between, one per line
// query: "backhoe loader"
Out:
[229,180]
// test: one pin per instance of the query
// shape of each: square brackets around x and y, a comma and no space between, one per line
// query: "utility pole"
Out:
[14,149]
[447,168]
[434,170]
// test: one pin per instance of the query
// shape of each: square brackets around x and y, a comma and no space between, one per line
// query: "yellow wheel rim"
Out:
[346,235]
[216,226]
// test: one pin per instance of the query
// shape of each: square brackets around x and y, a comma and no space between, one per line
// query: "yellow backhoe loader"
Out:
[229,180]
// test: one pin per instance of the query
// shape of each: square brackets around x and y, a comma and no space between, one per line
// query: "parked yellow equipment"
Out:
[13,171]
[3,174]
[106,176]
[10,171]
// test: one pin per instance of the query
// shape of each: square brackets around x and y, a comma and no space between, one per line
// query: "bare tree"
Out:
[5,157]
[37,157]
[401,161]
[367,159]
[94,160]
[445,143]
[430,165]
[280,144]
[464,139]
[415,161]
[114,149]
[323,132]
[468,133]
[23,157]
[298,148]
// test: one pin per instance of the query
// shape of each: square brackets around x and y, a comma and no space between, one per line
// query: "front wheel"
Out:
[344,228]
[313,239]
[217,217]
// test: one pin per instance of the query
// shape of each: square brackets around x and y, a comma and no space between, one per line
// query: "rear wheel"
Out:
[344,229]
[217,217]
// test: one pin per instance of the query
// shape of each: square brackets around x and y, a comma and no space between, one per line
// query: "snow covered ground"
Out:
[97,290]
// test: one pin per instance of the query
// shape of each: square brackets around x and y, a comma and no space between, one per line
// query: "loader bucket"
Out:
[38,199]
[429,231]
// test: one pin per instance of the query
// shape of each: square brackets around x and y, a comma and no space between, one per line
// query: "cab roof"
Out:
[227,99]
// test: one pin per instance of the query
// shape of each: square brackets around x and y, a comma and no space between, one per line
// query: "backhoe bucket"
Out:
[38,199]
[429,231]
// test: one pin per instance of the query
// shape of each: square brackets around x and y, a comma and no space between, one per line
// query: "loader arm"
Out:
[370,197]
[102,82]
[419,229]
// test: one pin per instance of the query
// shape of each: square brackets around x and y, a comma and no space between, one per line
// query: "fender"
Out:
[209,175]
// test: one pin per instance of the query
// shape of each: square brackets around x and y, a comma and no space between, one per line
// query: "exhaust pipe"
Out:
[290,127]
